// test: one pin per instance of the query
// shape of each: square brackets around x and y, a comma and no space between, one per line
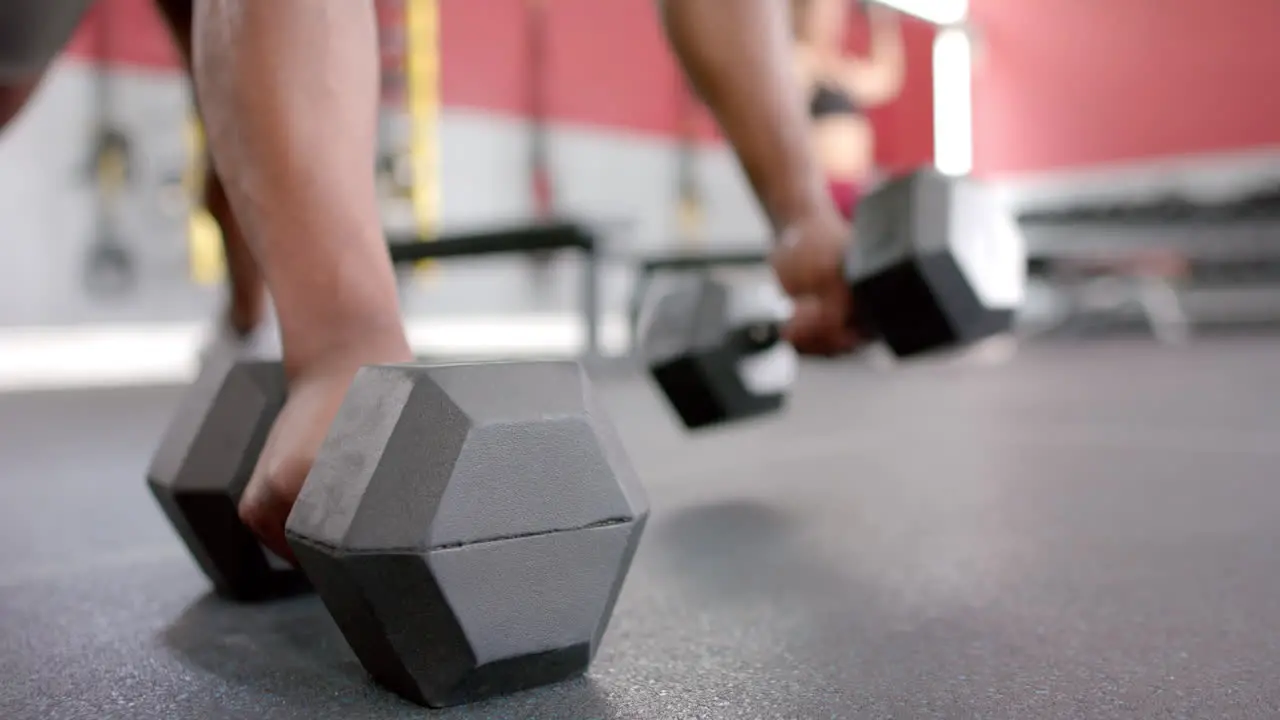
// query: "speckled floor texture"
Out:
[1092,531]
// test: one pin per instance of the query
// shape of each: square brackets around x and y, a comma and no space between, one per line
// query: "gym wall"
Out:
[614,99]
[614,106]
[609,67]
[1069,93]
[140,39]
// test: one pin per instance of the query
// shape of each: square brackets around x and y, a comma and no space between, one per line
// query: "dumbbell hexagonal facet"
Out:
[714,350]
[469,527]
[202,465]
[936,262]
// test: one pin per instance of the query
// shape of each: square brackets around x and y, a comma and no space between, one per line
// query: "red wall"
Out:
[608,65]
[139,38]
[904,128]
[1068,83]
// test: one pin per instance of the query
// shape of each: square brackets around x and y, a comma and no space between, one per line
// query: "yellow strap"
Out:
[204,239]
[690,220]
[690,210]
[206,259]
[422,37]
[112,170]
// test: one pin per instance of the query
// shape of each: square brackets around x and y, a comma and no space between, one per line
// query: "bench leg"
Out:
[1163,310]
[591,305]
[639,296]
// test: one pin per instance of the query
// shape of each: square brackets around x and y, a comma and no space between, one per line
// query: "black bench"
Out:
[1223,244]
[518,239]
[1242,229]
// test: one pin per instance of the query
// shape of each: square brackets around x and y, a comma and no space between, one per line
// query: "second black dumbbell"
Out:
[936,263]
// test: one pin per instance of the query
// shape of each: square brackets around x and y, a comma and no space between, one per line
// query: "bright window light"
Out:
[953,102]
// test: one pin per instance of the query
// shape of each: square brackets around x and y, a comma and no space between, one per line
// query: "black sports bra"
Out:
[828,100]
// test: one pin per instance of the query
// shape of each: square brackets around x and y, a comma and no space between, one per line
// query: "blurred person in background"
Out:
[839,88]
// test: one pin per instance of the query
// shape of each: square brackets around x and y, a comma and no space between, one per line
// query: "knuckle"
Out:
[252,516]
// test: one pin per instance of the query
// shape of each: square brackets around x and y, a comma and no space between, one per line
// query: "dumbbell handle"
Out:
[754,337]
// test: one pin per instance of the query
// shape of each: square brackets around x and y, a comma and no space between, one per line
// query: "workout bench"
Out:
[530,238]
[1222,238]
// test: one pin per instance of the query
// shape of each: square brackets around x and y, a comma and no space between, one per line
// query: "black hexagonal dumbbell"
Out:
[469,527]
[936,263]
[715,350]
[202,466]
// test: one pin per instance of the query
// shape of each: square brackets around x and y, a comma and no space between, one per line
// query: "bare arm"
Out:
[738,56]
[288,90]
[877,78]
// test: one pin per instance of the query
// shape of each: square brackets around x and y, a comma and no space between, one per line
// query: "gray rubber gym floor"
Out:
[1090,532]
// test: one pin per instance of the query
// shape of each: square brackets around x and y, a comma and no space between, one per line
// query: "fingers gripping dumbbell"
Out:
[935,263]
[201,468]
[468,527]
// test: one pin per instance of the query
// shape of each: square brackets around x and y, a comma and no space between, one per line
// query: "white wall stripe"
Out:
[953,102]
[141,354]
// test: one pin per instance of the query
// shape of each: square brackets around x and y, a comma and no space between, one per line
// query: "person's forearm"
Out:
[737,55]
[288,91]
[888,48]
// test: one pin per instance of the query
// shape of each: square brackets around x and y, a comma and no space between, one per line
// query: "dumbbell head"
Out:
[469,527]
[202,465]
[715,351]
[936,262]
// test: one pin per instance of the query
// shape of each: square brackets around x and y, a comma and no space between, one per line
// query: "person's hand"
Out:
[809,262]
[315,395]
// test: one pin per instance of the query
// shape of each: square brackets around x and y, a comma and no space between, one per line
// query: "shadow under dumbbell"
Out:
[285,649]
[291,654]
[739,551]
